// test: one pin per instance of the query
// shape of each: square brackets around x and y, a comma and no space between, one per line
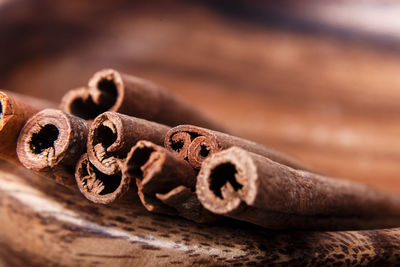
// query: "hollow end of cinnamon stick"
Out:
[143,162]
[191,143]
[52,141]
[157,169]
[225,180]
[79,102]
[105,93]
[105,137]
[165,183]
[13,114]
[112,135]
[97,186]
[107,89]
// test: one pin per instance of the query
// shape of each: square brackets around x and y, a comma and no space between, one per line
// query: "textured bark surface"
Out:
[110,90]
[252,188]
[112,135]
[165,182]
[51,142]
[13,114]
[74,232]
[99,187]
[195,144]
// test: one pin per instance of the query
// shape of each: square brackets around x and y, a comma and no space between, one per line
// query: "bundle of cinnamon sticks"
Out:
[121,137]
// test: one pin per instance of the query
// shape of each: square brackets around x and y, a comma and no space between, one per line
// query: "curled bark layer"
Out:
[80,103]
[165,183]
[51,143]
[112,135]
[97,186]
[195,144]
[110,90]
[253,188]
[13,114]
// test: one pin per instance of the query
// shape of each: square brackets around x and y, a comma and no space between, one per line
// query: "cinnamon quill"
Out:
[97,186]
[110,90]
[13,114]
[112,135]
[249,187]
[51,143]
[165,183]
[195,144]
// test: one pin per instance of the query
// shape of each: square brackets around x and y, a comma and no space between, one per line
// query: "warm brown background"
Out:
[326,94]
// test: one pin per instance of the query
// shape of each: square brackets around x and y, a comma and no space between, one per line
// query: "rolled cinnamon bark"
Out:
[97,186]
[51,143]
[195,144]
[80,103]
[165,183]
[13,114]
[252,188]
[112,135]
[185,202]
[110,90]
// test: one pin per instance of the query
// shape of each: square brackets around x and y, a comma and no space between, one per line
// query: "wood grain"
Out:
[74,232]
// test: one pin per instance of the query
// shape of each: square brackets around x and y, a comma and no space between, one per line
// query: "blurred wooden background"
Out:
[300,79]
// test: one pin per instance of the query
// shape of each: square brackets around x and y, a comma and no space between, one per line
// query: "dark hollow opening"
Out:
[110,182]
[86,109]
[109,92]
[139,158]
[222,174]
[177,145]
[1,108]
[104,135]
[44,139]
[193,135]
[204,151]
[83,172]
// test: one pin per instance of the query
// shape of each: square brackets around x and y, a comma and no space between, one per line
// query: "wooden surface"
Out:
[45,224]
[327,96]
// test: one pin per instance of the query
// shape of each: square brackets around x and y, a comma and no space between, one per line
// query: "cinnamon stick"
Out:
[185,202]
[13,114]
[165,183]
[51,143]
[112,135]
[110,90]
[252,188]
[80,103]
[97,186]
[195,144]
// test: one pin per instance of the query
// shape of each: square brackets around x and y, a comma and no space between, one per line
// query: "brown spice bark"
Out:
[80,103]
[51,143]
[165,182]
[195,144]
[112,135]
[110,90]
[97,186]
[252,188]
[13,114]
